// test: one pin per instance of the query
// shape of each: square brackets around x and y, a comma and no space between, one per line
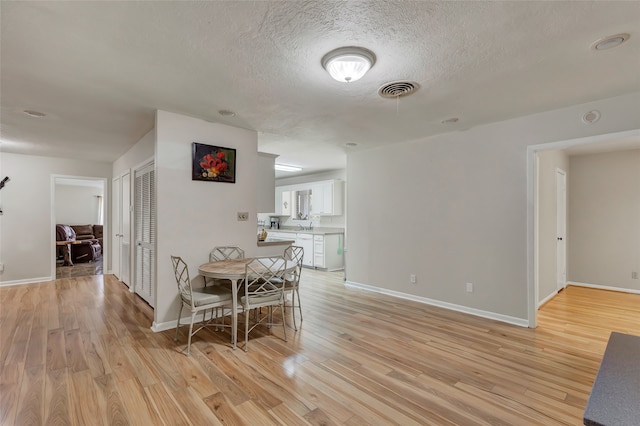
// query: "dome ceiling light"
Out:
[34,114]
[348,64]
[610,42]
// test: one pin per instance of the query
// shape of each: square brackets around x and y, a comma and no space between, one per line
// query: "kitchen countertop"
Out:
[275,243]
[314,231]
[614,396]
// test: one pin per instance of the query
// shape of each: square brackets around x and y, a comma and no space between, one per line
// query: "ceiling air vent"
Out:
[397,89]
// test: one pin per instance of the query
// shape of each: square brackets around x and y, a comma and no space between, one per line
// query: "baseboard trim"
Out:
[521,322]
[605,287]
[546,299]
[157,327]
[25,281]
[163,326]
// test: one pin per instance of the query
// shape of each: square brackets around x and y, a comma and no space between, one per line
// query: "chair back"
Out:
[264,280]
[226,252]
[182,278]
[295,254]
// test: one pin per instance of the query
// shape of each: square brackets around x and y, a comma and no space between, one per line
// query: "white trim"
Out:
[605,287]
[451,306]
[560,171]
[533,224]
[549,297]
[25,281]
[184,321]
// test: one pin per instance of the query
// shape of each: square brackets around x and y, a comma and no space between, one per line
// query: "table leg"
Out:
[234,313]
[66,255]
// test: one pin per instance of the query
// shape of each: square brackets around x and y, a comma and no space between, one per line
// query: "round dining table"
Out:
[233,270]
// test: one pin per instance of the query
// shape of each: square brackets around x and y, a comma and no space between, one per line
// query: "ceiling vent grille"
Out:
[397,89]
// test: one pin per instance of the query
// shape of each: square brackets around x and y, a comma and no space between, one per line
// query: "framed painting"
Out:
[213,163]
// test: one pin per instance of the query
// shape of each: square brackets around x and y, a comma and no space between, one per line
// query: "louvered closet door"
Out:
[145,229]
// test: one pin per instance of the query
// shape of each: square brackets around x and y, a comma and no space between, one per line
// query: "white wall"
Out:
[26,228]
[77,205]
[195,216]
[548,162]
[604,219]
[456,205]
[143,150]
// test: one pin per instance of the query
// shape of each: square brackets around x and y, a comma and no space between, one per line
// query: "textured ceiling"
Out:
[99,70]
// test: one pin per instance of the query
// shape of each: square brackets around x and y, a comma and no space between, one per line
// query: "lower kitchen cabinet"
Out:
[306,242]
[328,252]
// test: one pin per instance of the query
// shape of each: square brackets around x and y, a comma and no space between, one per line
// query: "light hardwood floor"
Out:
[79,351]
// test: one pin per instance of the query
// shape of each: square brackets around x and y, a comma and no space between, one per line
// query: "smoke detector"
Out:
[591,117]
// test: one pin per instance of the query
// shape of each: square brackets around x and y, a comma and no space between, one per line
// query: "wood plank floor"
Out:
[79,351]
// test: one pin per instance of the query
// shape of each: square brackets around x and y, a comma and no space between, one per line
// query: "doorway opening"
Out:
[547,254]
[78,226]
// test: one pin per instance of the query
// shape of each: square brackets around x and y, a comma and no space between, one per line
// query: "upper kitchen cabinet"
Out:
[327,198]
[283,202]
[266,184]
[303,200]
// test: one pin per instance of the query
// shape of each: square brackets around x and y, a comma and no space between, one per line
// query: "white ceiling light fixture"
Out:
[610,42]
[348,64]
[34,114]
[287,168]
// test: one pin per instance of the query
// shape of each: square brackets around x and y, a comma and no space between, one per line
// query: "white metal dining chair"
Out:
[226,252]
[199,300]
[264,287]
[292,281]
[223,253]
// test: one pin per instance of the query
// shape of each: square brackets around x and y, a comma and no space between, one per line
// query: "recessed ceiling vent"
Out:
[398,89]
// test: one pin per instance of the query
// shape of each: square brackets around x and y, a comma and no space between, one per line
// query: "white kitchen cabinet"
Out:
[327,198]
[280,236]
[306,242]
[328,252]
[283,202]
[318,251]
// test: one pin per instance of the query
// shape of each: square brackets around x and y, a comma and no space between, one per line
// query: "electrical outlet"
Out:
[469,287]
[243,216]
[412,278]
[634,275]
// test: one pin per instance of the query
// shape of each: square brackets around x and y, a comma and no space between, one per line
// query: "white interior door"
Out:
[561,228]
[115,226]
[125,240]
[145,233]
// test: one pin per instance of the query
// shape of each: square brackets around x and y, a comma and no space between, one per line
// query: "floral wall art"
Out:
[213,163]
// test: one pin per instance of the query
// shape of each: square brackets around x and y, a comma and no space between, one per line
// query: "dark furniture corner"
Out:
[615,396]
[82,244]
